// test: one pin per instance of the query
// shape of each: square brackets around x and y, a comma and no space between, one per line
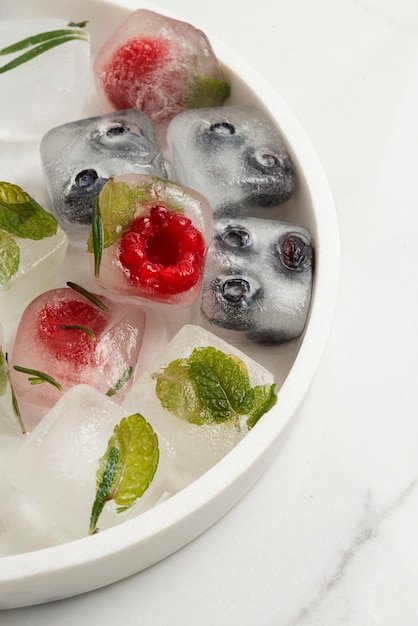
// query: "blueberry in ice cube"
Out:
[234,156]
[258,279]
[80,157]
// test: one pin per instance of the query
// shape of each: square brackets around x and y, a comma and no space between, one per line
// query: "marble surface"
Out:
[329,534]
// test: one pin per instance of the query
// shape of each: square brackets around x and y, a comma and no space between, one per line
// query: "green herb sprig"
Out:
[40,43]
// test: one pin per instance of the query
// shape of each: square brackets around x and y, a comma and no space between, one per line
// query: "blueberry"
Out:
[236,237]
[116,130]
[294,252]
[86,178]
[222,128]
[235,289]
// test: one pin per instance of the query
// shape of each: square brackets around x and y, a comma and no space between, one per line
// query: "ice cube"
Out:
[49,88]
[156,247]
[234,156]
[79,158]
[195,447]
[159,65]
[56,464]
[66,336]
[258,280]
[40,262]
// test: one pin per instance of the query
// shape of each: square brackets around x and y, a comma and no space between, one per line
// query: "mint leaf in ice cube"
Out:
[22,216]
[207,92]
[9,257]
[211,387]
[4,373]
[127,467]
[265,397]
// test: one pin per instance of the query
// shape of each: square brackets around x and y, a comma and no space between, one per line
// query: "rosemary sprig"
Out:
[97,235]
[40,43]
[122,381]
[83,329]
[87,294]
[36,377]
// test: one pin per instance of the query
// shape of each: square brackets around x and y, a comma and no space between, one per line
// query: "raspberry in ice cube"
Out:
[234,156]
[159,65]
[44,74]
[258,280]
[155,239]
[67,337]
[78,158]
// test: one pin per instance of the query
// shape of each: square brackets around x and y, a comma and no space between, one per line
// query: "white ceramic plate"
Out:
[82,565]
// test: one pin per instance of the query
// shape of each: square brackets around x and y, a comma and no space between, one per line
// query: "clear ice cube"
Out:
[79,158]
[193,448]
[159,65]
[159,258]
[50,88]
[66,336]
[258,280]
[39,265]
[234,156]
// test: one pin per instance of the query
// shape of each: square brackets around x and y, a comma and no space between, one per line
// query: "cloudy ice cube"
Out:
[50,88]
[66,336]
[234,156]
[194,448]
[79,158]
[158,257]
[40,262]
[159,65]
[56,464]
[258,279]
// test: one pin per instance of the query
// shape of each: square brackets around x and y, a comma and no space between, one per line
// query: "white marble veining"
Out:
[328,536]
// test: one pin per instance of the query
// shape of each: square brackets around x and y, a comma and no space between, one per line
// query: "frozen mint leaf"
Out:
[177,392]
[117,209]
[9,257]
[127,467]
[223,385]
[22,216]
[265,397]
[207,92]
[4,373]
[208,387]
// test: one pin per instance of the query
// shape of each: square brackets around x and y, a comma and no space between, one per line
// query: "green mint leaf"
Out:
[210,386]
[127,467]
[265,397]
[9,257]
[96,236]
[115,210]
[22,216]
[40,49]
[207,92]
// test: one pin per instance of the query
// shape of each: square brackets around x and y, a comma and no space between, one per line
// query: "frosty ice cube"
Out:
[66,336]
[234,156]
[201,427]
[258,279]
[159,65]
[56,464]
[49,87]
[79,158]
[32,248]
[156,235]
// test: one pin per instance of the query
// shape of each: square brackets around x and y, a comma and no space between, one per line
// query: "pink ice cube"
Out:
[158,249]
[159,65]
[70,338]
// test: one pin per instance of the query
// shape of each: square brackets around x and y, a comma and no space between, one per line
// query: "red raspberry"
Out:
[70,344]
[167,256]
[146,73]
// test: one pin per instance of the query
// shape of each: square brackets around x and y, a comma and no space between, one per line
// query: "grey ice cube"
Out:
[80,157]
[258,279]
[234,156]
